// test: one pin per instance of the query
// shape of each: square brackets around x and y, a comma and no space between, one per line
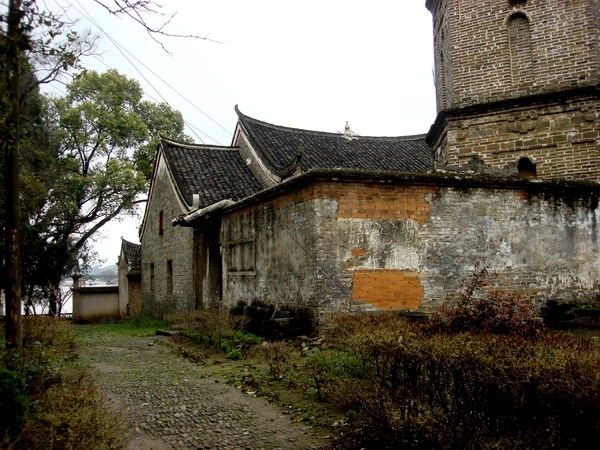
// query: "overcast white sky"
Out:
[311,64]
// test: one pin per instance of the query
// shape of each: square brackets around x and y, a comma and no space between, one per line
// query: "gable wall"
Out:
[389,246]
[253,161]
[175,244]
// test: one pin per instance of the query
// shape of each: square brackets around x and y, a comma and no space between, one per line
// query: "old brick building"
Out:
[335,220]
[130,277]
[517,84]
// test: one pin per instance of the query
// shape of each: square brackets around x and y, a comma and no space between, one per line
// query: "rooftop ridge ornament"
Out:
[348,133]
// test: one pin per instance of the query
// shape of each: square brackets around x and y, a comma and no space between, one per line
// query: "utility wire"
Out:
[118,47]
[123,50]
[189,125]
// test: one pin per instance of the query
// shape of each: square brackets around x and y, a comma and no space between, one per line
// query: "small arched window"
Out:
[526,168]
[519,40]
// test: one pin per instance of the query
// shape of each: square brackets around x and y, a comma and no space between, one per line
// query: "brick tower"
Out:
[518,86]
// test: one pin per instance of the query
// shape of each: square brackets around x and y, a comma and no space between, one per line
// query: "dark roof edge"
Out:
[123,240]
[244,117]
[463,181]
[187,218]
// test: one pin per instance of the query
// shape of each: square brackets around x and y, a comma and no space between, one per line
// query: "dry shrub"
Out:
[466,390]
[50,332]
[339,327]
[221,329]
[326,369]
[216,322]
[478,307]
[497,312]
[277,355]
[72,415]
[65,410]
[48,342]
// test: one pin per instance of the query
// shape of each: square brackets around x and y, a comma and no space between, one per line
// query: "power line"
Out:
[189,125]
[88,17]
[83,12]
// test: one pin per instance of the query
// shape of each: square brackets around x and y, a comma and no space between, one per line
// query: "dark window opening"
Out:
[516,2]
[152,278]
[169,277]
[526,168]
[161,223]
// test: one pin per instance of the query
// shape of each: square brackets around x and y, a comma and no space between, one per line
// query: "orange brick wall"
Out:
[399,202]
[389,286]
[388,289]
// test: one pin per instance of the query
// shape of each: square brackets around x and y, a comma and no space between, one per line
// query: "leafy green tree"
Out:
[161,119]
[29,33]
[96,132]
[26,33]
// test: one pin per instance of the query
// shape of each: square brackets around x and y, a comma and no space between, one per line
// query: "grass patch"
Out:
[104,333]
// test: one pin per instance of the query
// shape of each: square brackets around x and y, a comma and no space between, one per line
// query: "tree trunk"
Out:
[12,281]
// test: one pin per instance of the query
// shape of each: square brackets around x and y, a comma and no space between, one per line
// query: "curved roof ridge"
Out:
[128,241]
[197,146]
[243,117]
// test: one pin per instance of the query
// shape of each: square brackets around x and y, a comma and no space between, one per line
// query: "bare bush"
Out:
[467,390]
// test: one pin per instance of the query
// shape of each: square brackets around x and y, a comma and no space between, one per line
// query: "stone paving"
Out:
[171,404]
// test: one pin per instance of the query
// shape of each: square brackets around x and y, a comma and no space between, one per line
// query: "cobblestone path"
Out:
[172,405]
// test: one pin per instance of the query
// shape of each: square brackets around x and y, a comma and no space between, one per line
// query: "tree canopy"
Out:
[93,164]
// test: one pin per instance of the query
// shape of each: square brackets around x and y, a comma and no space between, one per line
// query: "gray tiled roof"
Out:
[133,254]
[214,173]
[279,146]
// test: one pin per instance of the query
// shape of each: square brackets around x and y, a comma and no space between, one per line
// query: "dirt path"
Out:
[172,404]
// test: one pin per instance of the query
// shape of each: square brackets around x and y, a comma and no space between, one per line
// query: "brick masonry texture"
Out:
[518,80]
[474,62]
[388,289]
[562,140]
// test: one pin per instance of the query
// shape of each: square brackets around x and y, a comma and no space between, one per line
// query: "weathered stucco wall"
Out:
[543,246]
[167,255]
[95,304]
[268,252]
[403,244]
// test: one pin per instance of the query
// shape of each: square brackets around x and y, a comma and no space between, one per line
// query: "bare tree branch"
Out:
[140,10]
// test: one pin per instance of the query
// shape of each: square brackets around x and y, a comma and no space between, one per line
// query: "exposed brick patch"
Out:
[358,252]
[362,201]
[388,289]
